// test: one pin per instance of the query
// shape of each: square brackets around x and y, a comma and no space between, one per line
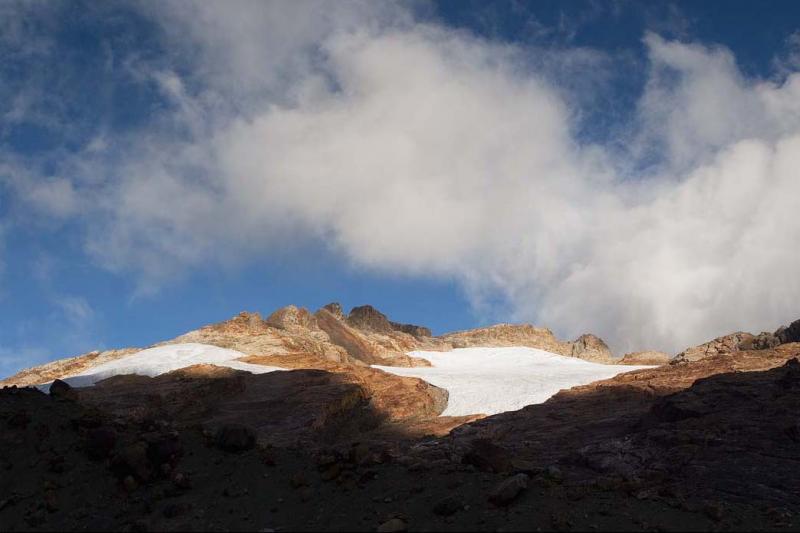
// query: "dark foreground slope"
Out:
[712,444]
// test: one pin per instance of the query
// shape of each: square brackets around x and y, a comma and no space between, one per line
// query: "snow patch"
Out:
[494,380]
[153,362]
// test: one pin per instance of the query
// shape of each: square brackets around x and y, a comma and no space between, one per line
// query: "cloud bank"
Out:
[413,149]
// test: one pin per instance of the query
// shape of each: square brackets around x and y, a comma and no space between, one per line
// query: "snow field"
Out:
[153,362]
[494,380]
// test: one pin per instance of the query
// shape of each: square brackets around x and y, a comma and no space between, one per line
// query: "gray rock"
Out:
[448,506]
[508,490]
[395,525]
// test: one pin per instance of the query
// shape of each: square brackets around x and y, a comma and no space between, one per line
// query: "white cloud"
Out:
[413,149]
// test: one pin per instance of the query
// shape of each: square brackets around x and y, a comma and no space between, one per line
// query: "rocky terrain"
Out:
[363,337]
[709,441]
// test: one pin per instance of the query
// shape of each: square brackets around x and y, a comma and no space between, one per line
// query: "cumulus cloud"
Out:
[413,149]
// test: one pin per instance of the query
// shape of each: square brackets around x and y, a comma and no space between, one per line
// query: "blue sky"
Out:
[588,166]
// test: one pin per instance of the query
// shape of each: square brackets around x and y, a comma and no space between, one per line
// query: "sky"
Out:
[624,168]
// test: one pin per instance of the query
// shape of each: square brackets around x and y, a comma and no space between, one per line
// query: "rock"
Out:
[331,472]
[292,318]
[506,491]
[645,358]
[521,466]
[173,510]
[51,501]
[235,438]
[762,341]
[335,309]
[721,345]
[553,473]
[130,483]
[366,317]
[132,460]
[61,389]
[100,441]
[486,456]
[181,481]
[448,506]
[591,348]
[298,480]
[395,525]
[790,333]
[19,420]
[411,329]
[163,451]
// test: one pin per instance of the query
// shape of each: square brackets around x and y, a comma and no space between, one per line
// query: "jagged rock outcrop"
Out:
[335,308]
[411,329]
[740,340]
[790,333]
[382,347]
[721,345]
[591,348]
[292,318]
[645,358]
[366,317]
[588,347]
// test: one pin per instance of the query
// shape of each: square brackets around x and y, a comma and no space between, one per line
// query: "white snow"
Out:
[494,380]
[162,359]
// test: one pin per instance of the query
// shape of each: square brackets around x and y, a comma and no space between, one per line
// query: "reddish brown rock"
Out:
[292,317]
[645,358]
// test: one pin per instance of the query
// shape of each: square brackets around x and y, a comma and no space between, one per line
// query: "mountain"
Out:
[363,337]
[284,424]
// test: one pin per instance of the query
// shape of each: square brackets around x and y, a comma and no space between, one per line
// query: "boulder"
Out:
[508,490]
[395,525]
[61,389]
[487,456]
[448,506]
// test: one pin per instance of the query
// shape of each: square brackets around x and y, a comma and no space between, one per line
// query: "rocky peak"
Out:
[243,323]
[292,317]
[591,348]
[335,309]
[368,318]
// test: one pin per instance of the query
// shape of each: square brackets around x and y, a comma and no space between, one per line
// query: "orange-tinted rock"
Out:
[292,317]
[645,358]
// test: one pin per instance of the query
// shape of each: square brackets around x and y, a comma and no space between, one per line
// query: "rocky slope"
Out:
[740,340]
[696,445]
